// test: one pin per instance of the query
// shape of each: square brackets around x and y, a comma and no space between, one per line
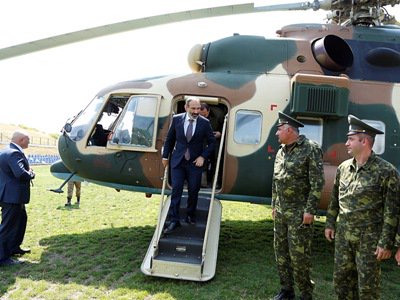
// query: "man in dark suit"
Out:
[217,123]
[15,179]
[191,140]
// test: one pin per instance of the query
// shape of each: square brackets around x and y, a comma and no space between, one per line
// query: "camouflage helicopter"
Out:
[319,73]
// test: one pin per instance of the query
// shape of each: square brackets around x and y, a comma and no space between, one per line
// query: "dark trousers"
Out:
[186,170]
[12,228]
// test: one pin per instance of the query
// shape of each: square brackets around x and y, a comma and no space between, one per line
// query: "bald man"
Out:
[15,178]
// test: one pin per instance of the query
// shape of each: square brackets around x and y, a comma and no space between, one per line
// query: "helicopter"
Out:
[319,73]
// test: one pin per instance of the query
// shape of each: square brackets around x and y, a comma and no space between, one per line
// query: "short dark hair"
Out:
[205,106]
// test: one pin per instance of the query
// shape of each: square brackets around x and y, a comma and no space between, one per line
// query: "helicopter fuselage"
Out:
[318,73]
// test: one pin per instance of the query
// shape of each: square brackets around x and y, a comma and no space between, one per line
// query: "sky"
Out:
[44,89]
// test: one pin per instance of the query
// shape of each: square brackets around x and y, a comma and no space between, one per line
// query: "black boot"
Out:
[285,295]
[68,201]
[78,200]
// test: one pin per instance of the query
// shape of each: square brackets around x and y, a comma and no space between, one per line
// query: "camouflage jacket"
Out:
[298,177]
[365,197]
[397,241]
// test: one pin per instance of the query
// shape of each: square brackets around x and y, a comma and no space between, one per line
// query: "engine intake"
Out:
[333,53]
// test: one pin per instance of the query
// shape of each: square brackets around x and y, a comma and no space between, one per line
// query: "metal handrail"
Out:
[210,210]
[158,232]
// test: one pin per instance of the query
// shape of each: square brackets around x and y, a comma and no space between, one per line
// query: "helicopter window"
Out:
[81,124]
[248,127]
[379,145]
[312,129]
[136,127]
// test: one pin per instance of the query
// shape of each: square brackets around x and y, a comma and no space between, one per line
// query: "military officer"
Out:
[362,215]
[296,190]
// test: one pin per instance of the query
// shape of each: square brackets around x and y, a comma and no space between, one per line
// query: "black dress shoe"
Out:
[10,262]
[171,227]
[20,251]
[190,220]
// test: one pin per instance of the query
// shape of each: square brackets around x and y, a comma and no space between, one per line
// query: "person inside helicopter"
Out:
[100,135]
[215,116]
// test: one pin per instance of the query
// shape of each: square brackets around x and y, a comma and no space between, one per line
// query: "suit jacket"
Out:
[202,142]
[15,176]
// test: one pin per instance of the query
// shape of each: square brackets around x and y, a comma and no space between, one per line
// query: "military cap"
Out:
[358,126]
[285,119]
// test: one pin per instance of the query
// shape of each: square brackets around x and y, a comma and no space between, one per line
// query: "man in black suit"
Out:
[15,179]
[191,140]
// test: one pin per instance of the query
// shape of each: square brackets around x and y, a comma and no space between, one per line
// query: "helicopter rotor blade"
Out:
[119,27]
[291,6]
[109,29]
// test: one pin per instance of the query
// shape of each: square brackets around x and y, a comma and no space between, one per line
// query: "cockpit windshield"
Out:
[122,120]
[82,122]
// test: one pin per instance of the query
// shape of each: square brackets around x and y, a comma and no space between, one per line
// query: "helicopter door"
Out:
[217,109]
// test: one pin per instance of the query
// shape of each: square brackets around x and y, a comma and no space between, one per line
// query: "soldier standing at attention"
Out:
[362,215]
[296,190]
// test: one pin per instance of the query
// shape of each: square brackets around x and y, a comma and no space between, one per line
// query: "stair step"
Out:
[201,215]
[187,246]
[203,203]
[187,230]
[179,257]
[178,270]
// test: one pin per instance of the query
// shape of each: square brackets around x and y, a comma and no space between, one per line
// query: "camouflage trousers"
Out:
[70,190]
[356,272]
[292,245]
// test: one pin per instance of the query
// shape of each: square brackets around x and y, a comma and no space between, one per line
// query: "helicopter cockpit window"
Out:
[81,124]
[248,127]
[136,125]
[312,129]
[379,145]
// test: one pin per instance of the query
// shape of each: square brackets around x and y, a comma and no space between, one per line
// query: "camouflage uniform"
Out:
[397,241]
[70,190]
[297,184]
[362,211]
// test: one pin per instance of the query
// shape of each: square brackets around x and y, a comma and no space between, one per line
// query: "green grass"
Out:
[95,251]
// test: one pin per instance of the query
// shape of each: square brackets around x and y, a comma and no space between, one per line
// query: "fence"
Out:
[34,140]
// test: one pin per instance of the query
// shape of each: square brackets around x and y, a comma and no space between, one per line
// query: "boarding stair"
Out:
[190,251]
[180,254]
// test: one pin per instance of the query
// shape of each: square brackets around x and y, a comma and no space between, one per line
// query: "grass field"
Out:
[95,251]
